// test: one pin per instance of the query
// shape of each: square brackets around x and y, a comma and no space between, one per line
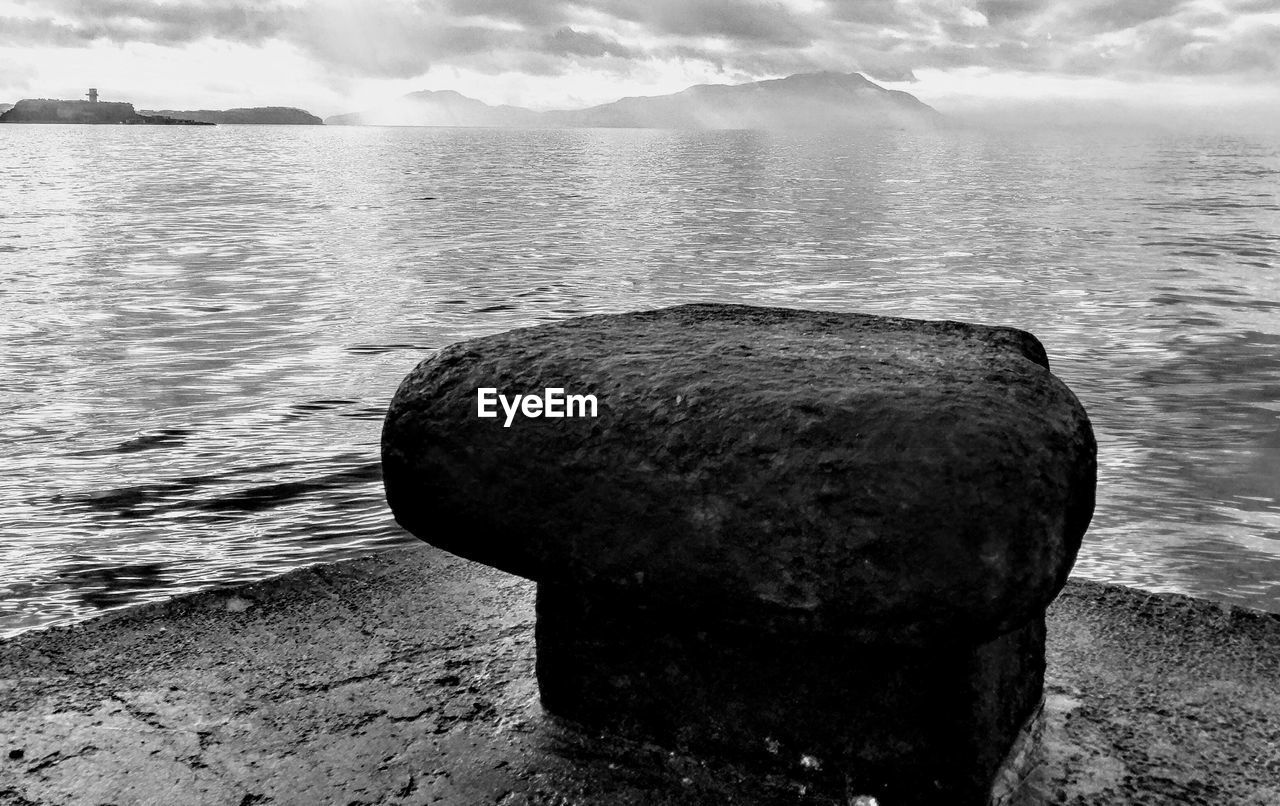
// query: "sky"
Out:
[1213,59]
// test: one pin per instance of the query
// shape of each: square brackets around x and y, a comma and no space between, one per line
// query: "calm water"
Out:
[202,327]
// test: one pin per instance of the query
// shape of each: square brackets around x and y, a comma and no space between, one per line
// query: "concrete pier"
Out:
[408,678]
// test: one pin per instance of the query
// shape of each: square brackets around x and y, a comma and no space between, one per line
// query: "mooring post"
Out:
[810,541]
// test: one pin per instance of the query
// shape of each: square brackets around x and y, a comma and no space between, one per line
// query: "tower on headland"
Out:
[47,110]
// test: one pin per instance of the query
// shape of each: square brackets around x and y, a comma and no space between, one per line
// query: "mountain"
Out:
[810,100]
[5,108]
[438,108]
[274,115]
[804,101]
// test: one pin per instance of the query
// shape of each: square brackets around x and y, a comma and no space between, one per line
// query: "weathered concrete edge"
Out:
[1148,695]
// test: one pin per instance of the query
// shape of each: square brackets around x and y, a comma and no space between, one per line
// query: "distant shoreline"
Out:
[47,110]
[92,112]
[258,115]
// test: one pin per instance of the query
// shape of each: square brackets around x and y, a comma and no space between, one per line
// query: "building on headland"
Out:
[46,110]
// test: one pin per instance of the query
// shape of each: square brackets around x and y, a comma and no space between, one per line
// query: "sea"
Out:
[202,326]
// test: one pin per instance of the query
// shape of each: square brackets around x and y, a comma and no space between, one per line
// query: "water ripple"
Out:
[203,327]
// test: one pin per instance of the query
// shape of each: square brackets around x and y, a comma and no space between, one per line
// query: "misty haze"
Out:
[812,101]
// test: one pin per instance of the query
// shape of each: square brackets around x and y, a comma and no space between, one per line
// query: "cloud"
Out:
[24,31]
[745,22]
[1175,49]
[888,72]
[392,40]
[568,42]
[538,14]
[999,12]
[872,12]
[1104,16]
[148,21]
[890,39]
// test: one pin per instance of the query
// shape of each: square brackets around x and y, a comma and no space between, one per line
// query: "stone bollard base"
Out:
[906,725]
[1012,779]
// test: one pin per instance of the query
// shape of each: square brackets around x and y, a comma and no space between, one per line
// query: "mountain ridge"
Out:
[803,100]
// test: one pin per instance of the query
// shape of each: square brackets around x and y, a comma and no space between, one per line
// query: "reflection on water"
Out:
[202,327]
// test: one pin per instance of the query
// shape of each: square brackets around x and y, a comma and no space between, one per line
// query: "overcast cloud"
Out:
[344,41]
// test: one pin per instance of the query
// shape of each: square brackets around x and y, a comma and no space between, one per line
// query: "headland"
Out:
[46,110]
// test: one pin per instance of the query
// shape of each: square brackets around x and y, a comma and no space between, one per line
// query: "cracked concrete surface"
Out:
[407,678]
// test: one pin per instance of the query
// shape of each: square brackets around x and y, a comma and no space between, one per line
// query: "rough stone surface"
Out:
[911,725]
[889,479]
[408,678]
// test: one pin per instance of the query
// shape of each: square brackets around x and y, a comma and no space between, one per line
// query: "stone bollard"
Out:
[810,541]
